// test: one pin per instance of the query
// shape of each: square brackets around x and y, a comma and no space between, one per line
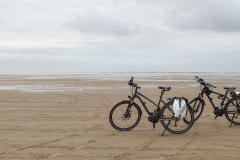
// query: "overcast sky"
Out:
[72,36]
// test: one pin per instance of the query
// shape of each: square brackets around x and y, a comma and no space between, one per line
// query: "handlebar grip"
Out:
[213,86]
[137,86]
[199,79]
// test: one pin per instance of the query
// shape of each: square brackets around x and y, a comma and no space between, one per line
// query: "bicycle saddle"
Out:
[231,88]
[164,88]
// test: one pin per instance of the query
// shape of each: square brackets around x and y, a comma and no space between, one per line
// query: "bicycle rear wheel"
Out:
[197,106]
[232,110]
[122,120]
[176,125]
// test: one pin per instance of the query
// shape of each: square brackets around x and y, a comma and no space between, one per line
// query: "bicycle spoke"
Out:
[122,121]
[176,125]
[197,106]
[232,110]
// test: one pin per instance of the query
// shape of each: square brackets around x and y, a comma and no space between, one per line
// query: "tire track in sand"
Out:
[81,146]
[177,150]
[138,147]
[72,101]
[95,99]
[13,149]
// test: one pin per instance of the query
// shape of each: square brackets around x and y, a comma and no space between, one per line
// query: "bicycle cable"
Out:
[200,87]
[131,89]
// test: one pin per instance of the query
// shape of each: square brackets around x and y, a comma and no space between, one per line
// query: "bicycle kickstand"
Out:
[153,127]
[215,118]
[165,128]
[232,119]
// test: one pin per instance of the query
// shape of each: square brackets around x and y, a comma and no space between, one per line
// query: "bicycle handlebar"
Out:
[131,83]
[201,81]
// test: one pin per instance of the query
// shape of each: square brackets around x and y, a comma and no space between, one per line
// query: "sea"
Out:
[21,82]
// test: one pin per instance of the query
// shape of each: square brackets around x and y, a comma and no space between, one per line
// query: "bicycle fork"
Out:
[127,112]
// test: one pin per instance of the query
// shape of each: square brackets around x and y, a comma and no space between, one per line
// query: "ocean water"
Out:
[19,82]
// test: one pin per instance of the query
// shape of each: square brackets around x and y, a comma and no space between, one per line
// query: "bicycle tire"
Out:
[121,122]
[176,125]
[232,110]
[197,106]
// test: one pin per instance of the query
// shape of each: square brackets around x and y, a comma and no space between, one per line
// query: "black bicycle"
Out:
[126,114]
[231,109]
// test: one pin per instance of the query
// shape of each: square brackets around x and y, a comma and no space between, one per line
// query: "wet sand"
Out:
[65,117]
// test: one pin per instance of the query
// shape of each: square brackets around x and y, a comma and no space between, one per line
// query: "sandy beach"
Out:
[65,117]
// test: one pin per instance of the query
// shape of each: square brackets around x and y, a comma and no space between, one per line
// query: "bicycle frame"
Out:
[138,95]
[223,97]
[132,112]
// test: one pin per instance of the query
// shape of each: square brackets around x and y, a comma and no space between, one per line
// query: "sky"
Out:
[75,36]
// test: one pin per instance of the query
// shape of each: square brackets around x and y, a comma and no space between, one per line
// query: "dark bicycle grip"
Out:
[213,86]
[135,85]
[199,79]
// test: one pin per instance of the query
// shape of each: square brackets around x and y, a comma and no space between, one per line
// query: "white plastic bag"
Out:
[180,107]
[236,94]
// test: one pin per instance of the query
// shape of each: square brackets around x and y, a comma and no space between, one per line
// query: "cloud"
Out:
[141,35]
[37,65]
[158,16]
[44,65]
[34,52]
[22,31]
[212,15]
[103,25]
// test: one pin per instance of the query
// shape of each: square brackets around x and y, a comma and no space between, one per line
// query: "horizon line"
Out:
[107,72]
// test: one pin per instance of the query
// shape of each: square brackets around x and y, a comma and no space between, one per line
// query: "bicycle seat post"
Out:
[226,92]
[162,92]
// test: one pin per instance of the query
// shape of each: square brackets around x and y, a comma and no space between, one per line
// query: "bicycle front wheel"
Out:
[232,110]
[124,120]
[197,106]
[176,125]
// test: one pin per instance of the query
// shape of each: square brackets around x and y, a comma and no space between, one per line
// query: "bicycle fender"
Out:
[135,104]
